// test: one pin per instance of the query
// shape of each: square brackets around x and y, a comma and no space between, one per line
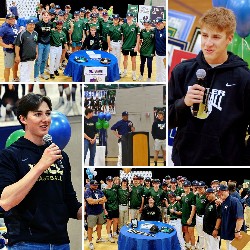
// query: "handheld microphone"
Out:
[200,74]
[48,140]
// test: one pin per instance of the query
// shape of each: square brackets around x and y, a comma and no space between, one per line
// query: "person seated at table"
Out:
[151,212]
[92,41]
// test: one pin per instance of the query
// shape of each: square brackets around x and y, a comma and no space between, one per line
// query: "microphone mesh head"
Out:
[47,138]
[201,73]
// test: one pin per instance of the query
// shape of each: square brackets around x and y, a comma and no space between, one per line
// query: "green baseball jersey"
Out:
[105,29]
[136,197]
[148,43]
[123,196]
[164,197]
[187,202]
[129,33]
[97,25]
[57,38]
[157,195]
[69,17]
[201,203]
[112,199]
[78,31]
[66,28]
[115,33]
[177,207]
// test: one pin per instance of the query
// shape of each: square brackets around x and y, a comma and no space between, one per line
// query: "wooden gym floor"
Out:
[62,78]
[112,161]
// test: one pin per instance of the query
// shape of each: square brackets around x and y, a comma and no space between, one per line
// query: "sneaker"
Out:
[115,235]
[134,77]
[140,78]
[67,108]
[52,76]
[123,74]
[47,70]
[91,246]
[37,79]
[64,63]
[148,79]
[45,77]
[60,103]
[100,240]
[75,109]
[111,239]
[56,73]
[16,79]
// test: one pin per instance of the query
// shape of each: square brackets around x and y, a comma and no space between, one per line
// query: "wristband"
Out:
[236,231]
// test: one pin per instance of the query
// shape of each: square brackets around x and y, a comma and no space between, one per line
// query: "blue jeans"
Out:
[37,246]
[92,150]
[43,55]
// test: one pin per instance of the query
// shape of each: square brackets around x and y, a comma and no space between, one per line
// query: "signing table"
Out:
[161,241]
[76,69]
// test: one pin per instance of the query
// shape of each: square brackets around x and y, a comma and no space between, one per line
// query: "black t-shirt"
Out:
[151,213]
[212,212]
[89,127]
[43,29]
[159,130]
[91,43]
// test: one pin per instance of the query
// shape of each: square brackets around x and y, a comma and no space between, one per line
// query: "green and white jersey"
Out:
[57,38]
[177,207]
[112,199]
[78,31]
[123,196]
[129,33]
[115,33]
[148,43]
[157,195]
[97,25]
[105,29]
[136,197]
[201,202]
[187,202]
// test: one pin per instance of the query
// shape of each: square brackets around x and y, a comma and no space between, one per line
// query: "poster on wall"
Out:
[133,9]
[100,100]
[26,9]
[143,14]
[157,11]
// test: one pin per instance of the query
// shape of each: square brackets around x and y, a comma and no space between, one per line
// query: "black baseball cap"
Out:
[130,14]
[124,113]
[158,20]
[156,181]
[173,180]
[187,184]
[57,7]
[8,16]
[195,183]
[124,179]
[147,179]
[201,184]
[100,8]
[109,178]
[172,194]
[167,177]
[93,182]
[210,190]
[116,16]
[223,188]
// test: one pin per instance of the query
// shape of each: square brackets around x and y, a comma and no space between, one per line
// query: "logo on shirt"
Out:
[133,29]
[161,126]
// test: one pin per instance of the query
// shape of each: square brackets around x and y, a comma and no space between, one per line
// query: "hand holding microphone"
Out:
[55,152]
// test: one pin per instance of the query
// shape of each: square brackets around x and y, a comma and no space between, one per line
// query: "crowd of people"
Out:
[10,95]
[45,46]
[217,210]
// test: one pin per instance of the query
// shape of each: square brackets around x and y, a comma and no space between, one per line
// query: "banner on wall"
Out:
[133,9]
[157,11]
[143,14]
[25,8]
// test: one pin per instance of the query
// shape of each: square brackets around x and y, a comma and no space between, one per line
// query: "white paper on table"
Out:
[146,226]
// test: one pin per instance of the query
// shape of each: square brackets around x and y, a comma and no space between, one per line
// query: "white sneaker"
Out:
[37,79]
[111,239]
[123,74]
[100,240]
[140,78]
[47,70]
[16,79]
[148,79]
[45,77]
[115,235]
[60,103]
[75,109]
[67,108]
[91,246]
[134,77]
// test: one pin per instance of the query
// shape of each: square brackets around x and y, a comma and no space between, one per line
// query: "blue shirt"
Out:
[231,210]
[160,42]
[96,208]
[8,34]
[122,127]
[13,10]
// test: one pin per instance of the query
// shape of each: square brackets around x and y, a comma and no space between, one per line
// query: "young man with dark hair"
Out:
[151,212]
[90,132]
[37,195]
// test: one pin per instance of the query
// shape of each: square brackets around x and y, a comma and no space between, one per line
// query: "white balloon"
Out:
[92,170]
[95,173]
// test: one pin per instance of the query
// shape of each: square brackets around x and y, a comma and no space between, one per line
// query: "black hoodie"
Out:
[220,138]
[43,214]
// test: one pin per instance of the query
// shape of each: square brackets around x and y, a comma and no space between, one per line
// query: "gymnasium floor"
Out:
[112,161]
[62,78]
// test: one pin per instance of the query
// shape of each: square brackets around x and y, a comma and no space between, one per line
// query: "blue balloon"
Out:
[88,171]
[101,116]
[241,10]
[219,3]
[108,116]
[90,176]
[60,129]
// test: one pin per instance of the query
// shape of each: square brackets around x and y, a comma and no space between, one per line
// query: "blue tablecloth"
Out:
[161,241]
[75,69]
[21,21]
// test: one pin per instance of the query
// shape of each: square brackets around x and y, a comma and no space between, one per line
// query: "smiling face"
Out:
[37,123]
[214,44]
